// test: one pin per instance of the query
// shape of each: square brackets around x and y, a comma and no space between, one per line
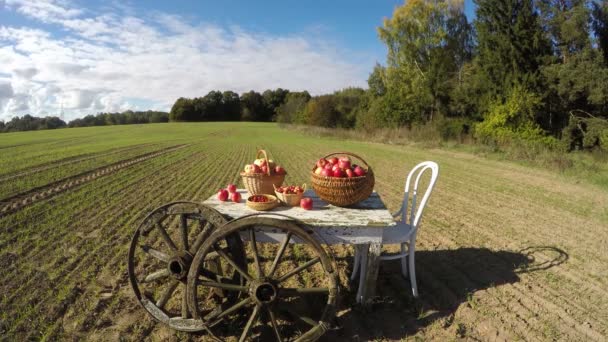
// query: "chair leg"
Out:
[412,267]
[356,263]
[403,261]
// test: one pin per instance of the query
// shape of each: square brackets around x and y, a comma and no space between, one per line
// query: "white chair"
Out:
[404,233]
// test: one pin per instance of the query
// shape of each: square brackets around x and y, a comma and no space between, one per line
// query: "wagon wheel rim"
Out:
[160,254]
[267,295]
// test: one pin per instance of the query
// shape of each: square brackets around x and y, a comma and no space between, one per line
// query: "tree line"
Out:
[524,70]
[31,123]
[229,106]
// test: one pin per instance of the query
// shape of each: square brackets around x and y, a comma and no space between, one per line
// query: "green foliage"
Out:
[513,120]
[586,133]
[125,118]
[292,111]
[31,123]
[511,44]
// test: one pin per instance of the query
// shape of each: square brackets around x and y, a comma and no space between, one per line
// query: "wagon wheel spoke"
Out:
[200,238]
[232,263]
[223,286]
[296,292]
[298,269]
[156,275]
[164,298]
[285,310]
[218,315]
[250,323]
[273,322]
[155,253]
[154,284]
[256,256]
[184,230]
[184,304]
[277,259]
[165,236]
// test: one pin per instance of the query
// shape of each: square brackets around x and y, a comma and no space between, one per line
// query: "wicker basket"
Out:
[263,206]
[292,200]
[262,183]
[345,191]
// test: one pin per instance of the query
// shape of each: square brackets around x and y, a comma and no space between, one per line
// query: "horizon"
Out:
[78,58]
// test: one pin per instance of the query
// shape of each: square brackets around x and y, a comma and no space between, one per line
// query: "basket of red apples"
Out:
[290,195]
[262,175]
[338,181]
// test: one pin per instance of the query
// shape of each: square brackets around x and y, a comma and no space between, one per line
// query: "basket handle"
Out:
[257,155]
[349,154]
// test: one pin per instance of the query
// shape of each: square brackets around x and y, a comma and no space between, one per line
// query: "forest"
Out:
[531,72]
[524,71]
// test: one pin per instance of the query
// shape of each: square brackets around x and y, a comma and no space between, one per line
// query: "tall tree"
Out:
[511,44]
[428,41]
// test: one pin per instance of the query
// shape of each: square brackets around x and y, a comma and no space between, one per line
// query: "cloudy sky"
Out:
[95,56]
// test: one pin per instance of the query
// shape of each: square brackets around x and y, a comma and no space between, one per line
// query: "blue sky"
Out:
[92,56]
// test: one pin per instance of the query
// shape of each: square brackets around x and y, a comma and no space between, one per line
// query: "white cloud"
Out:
[100,62]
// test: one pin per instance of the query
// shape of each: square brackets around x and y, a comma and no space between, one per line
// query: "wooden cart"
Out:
[222,268]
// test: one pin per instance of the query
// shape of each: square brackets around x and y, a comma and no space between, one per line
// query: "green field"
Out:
[506,252]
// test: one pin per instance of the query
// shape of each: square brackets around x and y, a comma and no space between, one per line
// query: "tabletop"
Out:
[370,213]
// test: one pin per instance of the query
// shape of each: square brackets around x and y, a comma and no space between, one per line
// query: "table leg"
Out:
[371,273]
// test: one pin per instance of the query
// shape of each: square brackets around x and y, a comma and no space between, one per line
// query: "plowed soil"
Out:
[505,252]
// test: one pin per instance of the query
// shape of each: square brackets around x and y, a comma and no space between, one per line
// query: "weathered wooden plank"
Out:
[369,213]
[371,273]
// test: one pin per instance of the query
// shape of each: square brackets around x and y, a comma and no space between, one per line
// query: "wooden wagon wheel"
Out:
[160,255]
[291,290]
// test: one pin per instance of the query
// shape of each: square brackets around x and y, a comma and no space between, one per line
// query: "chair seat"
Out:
[400,233]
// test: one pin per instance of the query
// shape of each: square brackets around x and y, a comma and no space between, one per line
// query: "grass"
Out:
[485,211]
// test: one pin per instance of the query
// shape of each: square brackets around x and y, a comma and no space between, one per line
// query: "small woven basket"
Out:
[263,206]
[262,183]
[292,200]
[345,191]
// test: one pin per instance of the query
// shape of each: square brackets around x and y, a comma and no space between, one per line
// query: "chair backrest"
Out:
[416,210]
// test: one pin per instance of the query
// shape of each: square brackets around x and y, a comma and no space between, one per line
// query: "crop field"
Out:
[505,252]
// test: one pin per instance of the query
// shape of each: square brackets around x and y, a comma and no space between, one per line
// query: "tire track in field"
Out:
[68,161]
[119,258]
[17,202]
[197,192]
[93,255]
[52,243]
[128,180]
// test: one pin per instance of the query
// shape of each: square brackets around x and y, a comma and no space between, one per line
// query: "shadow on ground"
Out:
[446,280]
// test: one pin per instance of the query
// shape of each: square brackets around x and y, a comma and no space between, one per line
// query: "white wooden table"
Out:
[361,226]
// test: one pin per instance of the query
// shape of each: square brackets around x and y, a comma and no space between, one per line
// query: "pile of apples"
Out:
[259,198]
[338,167]
[290,190]
[262,166]
[229,192]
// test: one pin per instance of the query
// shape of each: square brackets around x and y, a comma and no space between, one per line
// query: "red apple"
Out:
[344,162]
[359,171]
[339,173]
[235,197]
[222,195]
[328,166]
[349,173]
[264,169]
[335,167]
[321,162]
[256,169]
[279,170]
[327,173]
[231,188]
[306,203]
[333,160]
